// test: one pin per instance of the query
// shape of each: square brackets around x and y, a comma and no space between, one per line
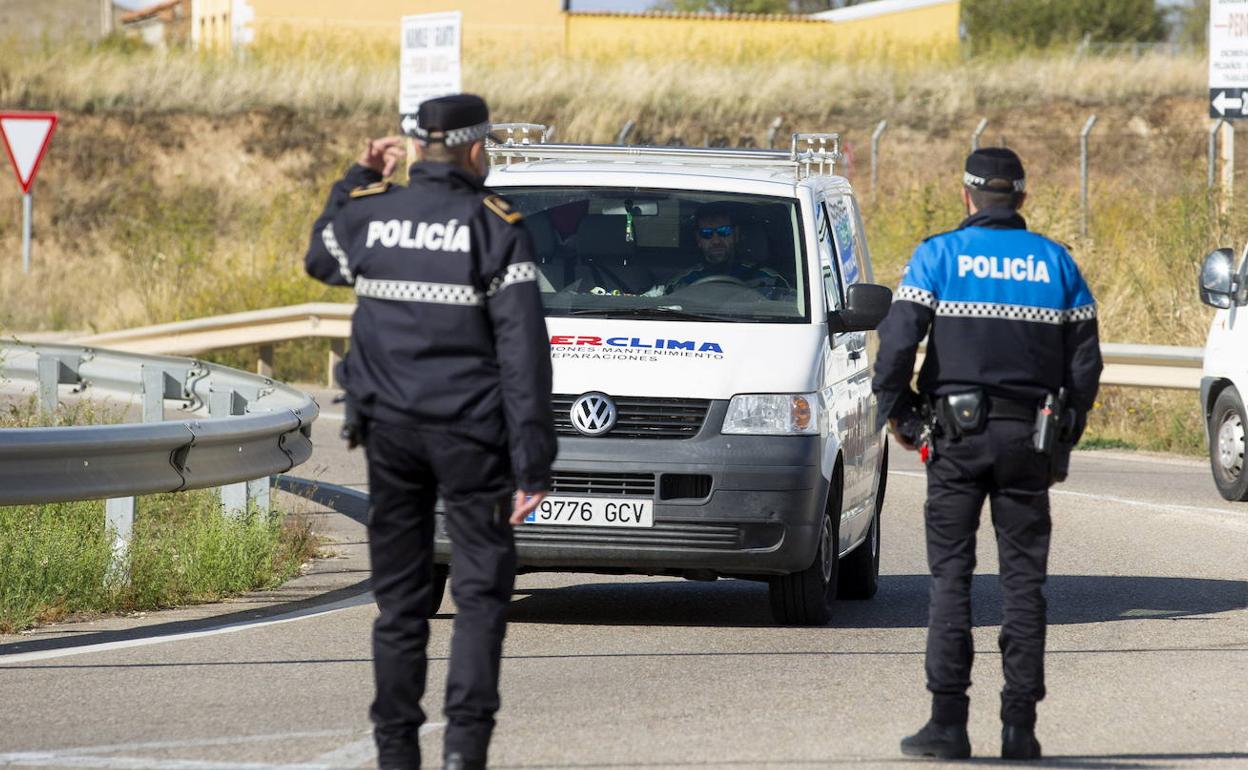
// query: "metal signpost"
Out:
[26,136]
[429,64]
[1228,79]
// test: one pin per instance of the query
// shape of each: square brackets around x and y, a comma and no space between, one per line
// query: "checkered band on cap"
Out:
[456,136]
[980,183]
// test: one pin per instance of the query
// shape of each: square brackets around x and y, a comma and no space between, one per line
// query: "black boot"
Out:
[1019,743]
[937,740]
[457,761]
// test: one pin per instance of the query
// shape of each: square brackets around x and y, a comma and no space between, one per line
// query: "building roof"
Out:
[143,14]
[877,8]
[702,15]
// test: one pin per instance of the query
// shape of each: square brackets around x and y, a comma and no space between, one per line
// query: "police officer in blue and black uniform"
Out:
[448,381]
[1011,336]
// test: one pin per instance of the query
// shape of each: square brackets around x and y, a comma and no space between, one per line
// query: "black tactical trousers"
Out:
[408,468]
[1001,465]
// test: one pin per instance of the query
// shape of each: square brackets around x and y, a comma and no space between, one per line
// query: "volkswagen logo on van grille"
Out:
[594,414]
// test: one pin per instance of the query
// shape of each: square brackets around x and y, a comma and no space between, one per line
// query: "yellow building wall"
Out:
[921,34]
[527,23]
[502,29]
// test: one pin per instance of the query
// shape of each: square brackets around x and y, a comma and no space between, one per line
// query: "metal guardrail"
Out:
[234,426]
[1126,364]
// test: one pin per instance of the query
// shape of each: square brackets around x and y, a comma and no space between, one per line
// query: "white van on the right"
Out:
[1224,382]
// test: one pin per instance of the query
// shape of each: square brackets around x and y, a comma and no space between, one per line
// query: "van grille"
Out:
[586,483]
[659,418]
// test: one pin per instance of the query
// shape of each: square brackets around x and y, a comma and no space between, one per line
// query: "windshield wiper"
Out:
[661,312]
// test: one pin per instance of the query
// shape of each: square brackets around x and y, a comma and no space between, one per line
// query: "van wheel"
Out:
[860,571]
[441,573]
[1226,446]
[805,598]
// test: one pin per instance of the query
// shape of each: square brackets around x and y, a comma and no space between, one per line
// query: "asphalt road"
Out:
[1147,665]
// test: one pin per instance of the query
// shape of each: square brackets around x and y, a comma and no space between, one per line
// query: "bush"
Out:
[1013,25]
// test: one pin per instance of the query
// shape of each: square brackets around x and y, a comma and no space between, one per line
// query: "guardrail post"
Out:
[337,349]
[875,155]
[228,403]
[264,361]
[979,131]
[49,379]
[119,522]
[1083,172]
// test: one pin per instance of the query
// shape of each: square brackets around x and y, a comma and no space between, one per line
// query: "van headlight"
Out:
[773,414]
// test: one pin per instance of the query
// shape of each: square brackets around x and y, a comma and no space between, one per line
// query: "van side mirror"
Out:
[1217,279]
[866,304]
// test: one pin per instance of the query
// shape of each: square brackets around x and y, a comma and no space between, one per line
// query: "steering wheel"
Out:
[721,279]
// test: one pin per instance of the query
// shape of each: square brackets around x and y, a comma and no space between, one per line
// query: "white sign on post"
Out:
[1228,59]
[429,64]
[26,137]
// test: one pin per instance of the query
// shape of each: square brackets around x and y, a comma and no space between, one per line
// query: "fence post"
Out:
[49,379]
[1083,172]
[979,131]
[228,403]
[627,129]
[1228,166]
[875,155]
[1213,152]
[772,130]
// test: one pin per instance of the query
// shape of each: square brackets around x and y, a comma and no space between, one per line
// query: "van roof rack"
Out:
[809,154]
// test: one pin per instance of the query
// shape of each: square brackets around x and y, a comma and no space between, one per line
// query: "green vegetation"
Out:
[1000,25]
[180,185]
[55,559]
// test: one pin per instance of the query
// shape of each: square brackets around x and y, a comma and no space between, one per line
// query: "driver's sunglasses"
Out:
[723,231]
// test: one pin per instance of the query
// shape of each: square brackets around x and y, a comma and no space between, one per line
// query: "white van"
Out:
[708,312]
[1225,378]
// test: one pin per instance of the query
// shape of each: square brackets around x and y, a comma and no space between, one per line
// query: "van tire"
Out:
[805,598]
[1227,425]
[441,574]
[860,571]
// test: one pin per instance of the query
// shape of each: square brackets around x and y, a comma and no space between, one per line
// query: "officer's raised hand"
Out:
[383,155]
[525,504]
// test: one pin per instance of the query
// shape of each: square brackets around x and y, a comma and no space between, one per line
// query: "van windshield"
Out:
[681,256]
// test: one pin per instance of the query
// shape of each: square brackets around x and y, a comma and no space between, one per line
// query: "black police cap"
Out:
[995,168]
[453,120]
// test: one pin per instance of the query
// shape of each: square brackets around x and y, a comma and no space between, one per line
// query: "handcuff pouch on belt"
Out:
[962,414]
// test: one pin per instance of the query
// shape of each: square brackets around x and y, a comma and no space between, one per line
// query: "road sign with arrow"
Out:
[1228,59]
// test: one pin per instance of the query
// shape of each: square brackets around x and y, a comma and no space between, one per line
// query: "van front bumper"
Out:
[760,515]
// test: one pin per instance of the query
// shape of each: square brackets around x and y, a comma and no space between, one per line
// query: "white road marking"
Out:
[347,757]
[189,744]
[290,617]
[1225,517]
[364,750]
[331,416]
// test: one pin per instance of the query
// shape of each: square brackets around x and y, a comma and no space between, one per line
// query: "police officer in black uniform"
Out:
[448,381]
[1011,369]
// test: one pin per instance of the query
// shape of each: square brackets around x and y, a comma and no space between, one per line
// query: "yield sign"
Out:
[26,137]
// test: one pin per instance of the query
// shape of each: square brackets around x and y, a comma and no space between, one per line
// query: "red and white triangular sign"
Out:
[26,137]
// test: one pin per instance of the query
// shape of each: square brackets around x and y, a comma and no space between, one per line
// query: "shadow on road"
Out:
[1072,762]
[900,603]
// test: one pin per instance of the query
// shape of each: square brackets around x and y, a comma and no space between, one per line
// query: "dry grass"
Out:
[182,185]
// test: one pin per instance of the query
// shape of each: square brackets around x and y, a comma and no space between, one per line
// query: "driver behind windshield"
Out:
[718,237]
